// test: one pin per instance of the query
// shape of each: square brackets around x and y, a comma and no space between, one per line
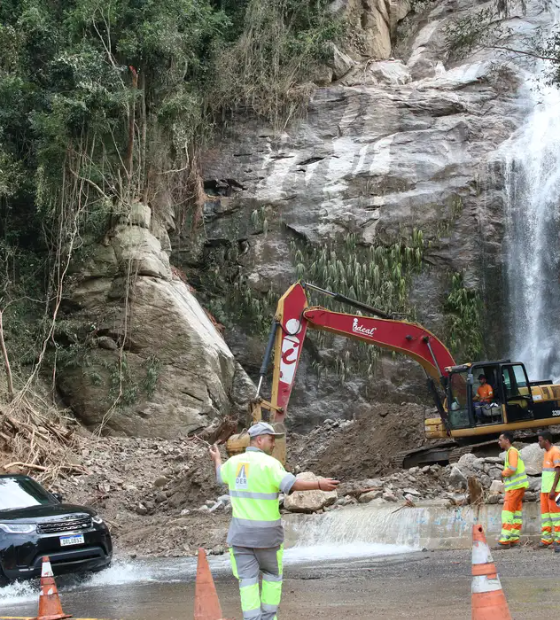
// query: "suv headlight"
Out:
[97,520]
[18,528]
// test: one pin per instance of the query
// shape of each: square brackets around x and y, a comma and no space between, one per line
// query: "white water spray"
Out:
[533,237]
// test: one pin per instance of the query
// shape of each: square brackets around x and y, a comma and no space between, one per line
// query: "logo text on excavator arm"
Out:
[363,331]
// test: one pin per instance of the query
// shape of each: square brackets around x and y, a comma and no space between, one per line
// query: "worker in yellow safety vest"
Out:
[515,482]
[550,490]
[256,536]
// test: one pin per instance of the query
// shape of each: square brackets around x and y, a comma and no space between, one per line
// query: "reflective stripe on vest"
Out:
[550,462]
[519,479]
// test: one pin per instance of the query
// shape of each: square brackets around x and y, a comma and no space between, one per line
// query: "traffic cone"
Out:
[206,602]
[488,598]
[49,601]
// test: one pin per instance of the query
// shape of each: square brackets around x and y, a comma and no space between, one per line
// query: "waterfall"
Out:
[532,241]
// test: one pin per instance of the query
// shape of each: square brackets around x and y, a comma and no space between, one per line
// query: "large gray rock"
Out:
[372,24]
[467,460]
[457,478]
[535,484]
[368,159]
[497,487]
[340,63]
[150,362]
[309,501]
[368,497]
[532,456]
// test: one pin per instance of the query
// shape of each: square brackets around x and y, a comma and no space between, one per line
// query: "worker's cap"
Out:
[262,428]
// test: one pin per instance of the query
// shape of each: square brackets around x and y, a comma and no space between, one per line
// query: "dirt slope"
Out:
[361,448]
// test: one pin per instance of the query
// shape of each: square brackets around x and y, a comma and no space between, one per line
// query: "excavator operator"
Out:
[484,396]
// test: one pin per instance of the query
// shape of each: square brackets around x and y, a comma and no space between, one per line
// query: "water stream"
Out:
[533,237]
[129,573]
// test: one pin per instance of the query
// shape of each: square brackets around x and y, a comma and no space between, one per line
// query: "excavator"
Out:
[518,404]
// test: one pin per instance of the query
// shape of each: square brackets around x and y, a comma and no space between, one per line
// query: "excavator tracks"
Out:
[428,455]
[447,452]
[451,452]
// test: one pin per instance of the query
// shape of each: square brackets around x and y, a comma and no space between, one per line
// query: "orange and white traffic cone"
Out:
[488,598]
[206,601]
[50,607]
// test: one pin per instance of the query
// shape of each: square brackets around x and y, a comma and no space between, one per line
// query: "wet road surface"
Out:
[424,585]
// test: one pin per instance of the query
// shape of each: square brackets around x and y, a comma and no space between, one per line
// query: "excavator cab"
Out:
[511,400]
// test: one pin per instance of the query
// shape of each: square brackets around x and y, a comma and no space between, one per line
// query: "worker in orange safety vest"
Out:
[515,482]
[550,511]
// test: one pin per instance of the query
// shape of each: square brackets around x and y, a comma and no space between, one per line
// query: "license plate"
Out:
[66,541]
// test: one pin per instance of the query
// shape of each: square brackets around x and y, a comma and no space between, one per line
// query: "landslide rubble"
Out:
[160,497]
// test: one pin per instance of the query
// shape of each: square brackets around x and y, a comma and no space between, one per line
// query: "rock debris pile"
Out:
[161,498]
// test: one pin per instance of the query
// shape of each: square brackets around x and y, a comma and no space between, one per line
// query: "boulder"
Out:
[485,480]
[366,498]
[497,487]
[535,484]
[478,465]
[467,460]
[372,24]
[139,214]
[389,496]
[532,456]
[139,252]
[457,478]
[148,360]
[495,473]
[496,460]
[339,62]
[413,492]
[309,501]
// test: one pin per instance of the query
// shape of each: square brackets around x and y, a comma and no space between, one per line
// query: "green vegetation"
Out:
[463,308]
[379,276]
[281,46]
[107,102]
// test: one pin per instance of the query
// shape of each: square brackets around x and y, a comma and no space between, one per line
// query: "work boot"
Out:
[556,547]
[503,545]
[544,545]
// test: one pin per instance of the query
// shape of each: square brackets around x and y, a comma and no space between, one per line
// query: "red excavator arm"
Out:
[294,317]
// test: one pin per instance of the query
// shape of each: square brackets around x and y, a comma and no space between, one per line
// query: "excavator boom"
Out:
[294,317]
[517,404]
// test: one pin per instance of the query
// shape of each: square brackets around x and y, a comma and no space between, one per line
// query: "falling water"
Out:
[533,237]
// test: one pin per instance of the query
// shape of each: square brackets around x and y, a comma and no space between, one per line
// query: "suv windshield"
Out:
[22,493]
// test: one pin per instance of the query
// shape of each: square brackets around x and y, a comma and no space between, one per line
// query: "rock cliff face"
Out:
[392,146]
[399,149]
[131,323]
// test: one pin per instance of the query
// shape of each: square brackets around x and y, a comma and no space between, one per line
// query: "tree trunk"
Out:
[6,361]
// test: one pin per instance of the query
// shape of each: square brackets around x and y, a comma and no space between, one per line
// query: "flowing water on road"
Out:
[122,590]
[427,586]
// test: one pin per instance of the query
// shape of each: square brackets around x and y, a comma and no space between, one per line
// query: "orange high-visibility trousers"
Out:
[550,520]
[512,517]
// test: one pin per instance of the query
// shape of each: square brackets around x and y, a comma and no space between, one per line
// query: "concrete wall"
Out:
[431,525]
